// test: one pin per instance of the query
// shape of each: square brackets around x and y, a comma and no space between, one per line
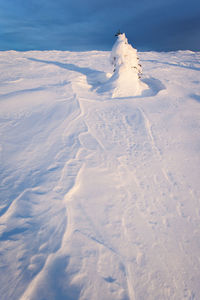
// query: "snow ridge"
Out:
[99,194]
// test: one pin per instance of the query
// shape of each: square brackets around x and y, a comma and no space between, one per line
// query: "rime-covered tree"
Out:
[125,80]
[123,54]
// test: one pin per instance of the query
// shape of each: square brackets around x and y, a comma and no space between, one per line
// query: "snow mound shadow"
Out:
[93,77]
[98,80]
[195,97]
[155,86]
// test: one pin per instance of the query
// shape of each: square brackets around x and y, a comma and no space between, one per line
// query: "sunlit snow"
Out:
[100,195]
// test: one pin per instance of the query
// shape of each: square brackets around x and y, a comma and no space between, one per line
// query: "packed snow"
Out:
[100,195]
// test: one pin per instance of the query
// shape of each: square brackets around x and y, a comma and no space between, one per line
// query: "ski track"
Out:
[106,208]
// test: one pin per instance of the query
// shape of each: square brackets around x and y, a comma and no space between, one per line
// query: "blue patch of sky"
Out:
[87,25]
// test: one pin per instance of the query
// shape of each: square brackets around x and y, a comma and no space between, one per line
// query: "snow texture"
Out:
[99,196]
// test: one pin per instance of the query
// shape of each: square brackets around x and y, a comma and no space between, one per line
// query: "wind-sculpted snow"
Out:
[99,197]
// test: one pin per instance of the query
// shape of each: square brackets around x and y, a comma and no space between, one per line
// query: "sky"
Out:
[81,25]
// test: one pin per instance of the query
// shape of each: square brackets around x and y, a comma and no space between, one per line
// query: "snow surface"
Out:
[100,197]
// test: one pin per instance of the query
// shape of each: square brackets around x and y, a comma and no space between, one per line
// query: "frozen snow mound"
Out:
[125,80]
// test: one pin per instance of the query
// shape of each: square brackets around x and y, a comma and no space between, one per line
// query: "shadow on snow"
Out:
[95,78]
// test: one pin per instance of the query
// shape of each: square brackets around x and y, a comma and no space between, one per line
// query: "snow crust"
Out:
[99,196]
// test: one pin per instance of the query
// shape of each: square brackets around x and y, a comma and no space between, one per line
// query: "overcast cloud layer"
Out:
[90,24]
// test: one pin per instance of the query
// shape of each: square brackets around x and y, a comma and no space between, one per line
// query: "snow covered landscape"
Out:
[100,192]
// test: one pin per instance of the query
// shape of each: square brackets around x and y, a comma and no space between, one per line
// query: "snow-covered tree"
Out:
[125,80]
[123,54]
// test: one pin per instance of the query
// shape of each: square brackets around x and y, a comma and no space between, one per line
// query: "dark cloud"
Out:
[89,24]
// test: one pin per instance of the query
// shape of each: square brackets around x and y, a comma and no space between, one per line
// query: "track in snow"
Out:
[99,185]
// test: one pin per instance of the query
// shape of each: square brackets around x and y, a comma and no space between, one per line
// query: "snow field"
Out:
[99,196]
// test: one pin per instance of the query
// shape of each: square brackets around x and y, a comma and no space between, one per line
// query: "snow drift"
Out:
[99,199]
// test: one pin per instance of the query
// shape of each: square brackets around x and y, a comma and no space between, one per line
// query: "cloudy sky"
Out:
[78,25]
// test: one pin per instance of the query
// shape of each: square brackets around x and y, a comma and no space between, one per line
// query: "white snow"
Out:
[125,80]
[100,196]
